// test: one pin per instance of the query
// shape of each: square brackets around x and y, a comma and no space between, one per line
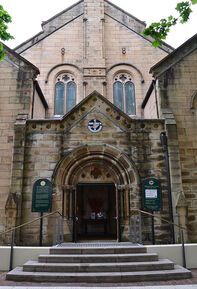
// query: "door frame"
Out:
[75,216]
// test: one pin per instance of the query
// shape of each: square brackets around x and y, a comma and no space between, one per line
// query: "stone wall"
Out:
[39,110]
[94,46]
[151,109]
[16,88]
[178,106]
[49,142]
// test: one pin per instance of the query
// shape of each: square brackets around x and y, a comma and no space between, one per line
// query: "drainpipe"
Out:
[164,143]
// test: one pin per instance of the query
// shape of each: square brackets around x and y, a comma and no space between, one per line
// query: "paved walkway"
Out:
[127,287]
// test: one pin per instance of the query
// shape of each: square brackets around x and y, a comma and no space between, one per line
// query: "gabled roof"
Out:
[103,99]
[73,12]
[173,58]
[20,58]
[130,21]
[51,25]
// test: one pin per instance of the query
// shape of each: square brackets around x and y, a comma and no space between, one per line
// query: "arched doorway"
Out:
[96,211]
[98,185]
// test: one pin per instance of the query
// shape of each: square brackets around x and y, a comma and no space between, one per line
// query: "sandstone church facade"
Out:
[88,104]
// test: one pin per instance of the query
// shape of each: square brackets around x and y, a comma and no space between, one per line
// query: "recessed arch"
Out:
[129,65]
[58,66]
[68,167]
[193,100]
[116,196]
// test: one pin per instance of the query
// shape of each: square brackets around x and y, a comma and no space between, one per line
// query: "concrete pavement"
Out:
[193,286]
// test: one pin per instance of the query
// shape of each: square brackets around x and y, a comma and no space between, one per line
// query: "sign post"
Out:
[42,200]
[151,199]
[151,194]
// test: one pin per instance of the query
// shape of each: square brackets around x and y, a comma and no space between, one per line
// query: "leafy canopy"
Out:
[5,18]
[159,30]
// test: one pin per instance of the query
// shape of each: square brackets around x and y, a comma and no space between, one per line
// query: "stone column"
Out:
[173,149]
[94,45]
[182,211]
[18,167]
[94,32]
[11,214]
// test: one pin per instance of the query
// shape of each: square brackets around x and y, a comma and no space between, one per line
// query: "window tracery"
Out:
[65,93]
[124,93]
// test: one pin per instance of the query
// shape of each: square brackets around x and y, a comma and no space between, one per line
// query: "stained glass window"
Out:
[70,95]
[124,93]
[129,98]
[65,93]
[118,95]
[59,98]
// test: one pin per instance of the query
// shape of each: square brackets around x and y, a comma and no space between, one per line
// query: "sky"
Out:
[28,15]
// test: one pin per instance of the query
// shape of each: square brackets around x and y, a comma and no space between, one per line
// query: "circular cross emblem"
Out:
[43,183]
[95,125]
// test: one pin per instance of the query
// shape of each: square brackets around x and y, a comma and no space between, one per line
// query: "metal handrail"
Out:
[162,219]
[30,222]
[20,226]
[181,228]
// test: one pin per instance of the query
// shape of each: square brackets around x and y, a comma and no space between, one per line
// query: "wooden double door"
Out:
[95,212]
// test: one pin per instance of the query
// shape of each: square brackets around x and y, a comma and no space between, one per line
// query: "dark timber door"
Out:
[96,212]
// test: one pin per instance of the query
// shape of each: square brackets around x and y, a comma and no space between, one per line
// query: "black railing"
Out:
[136,234]
[13,230]
[135,230]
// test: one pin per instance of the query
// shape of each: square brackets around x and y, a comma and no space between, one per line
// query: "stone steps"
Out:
[98,263]
[97,250]
[98,277]
[97,258]
[35,266]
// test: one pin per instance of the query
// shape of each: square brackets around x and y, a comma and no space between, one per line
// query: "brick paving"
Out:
[191,281]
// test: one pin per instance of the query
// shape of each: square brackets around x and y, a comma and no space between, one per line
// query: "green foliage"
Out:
[5,18]
[184,11]
[159,30]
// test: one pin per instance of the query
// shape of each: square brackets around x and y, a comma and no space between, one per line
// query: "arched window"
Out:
[65,93]
[124,93]
[59,98]
[70,95]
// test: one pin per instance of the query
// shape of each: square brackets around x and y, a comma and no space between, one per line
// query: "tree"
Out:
[5,18]
[159,30]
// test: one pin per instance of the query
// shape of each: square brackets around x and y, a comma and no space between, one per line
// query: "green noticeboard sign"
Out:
[151,192]
[42,196]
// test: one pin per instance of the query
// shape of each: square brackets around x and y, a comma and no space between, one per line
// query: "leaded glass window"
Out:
[124,93]
[118,95]
[65,93]
[59,98]
[70,95]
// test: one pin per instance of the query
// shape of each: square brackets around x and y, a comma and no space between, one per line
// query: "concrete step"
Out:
[34,266]
[99,277]
[97,258]
[97,249]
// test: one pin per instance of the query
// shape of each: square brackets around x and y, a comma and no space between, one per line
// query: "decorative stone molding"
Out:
[192,100]
[181,200]
[95,72]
